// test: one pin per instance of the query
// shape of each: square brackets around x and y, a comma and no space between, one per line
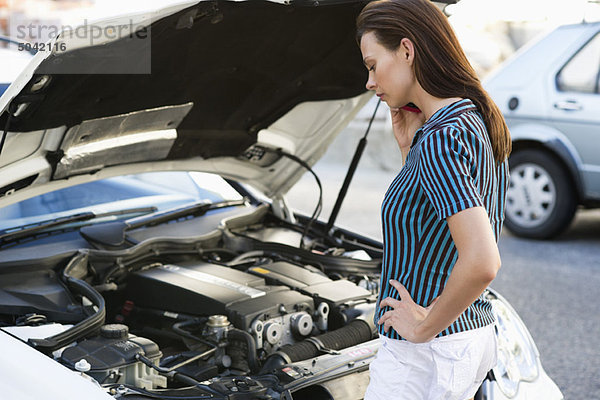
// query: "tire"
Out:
[541,200]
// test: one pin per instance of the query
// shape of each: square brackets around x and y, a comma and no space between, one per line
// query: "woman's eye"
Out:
[372,68]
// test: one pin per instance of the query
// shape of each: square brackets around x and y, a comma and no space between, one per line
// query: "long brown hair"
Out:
[440,64]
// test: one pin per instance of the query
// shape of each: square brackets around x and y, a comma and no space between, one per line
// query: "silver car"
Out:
[549,94]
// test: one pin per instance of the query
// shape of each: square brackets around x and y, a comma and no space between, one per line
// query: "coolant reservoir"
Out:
[111,358]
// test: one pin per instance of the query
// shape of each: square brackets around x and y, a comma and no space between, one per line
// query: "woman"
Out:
[442,214]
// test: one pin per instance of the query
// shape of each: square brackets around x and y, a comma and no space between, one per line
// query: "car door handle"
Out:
[568,105]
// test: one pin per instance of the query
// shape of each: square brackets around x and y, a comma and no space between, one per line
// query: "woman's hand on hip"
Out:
[405,316]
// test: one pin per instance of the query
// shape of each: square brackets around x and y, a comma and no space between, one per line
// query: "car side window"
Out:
[581,73]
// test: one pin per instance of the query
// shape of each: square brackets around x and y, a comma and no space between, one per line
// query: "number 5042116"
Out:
[42,47]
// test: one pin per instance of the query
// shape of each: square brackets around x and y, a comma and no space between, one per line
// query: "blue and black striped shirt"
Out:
[450,167]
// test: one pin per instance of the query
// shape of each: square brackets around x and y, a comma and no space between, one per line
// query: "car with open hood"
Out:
[146,247]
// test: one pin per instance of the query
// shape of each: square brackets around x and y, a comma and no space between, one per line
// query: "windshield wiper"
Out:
[12,235]
[26,231]
[113,233]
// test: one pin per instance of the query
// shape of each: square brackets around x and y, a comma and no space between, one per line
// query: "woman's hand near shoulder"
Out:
[405,124]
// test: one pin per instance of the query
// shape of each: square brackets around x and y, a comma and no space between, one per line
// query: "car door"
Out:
[575,108]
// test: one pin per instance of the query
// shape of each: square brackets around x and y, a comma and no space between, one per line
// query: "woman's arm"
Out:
[476,267]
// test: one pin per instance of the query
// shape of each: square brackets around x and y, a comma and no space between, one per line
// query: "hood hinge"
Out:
[282,210]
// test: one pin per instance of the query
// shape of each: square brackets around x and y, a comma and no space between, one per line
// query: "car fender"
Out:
[551,139]
[28,374]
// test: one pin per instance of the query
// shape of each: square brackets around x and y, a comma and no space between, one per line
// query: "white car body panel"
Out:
[542,388]
[27,374]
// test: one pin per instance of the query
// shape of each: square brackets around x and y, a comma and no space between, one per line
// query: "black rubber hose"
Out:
[178,328]
[178,376]
[356,332]
[83,328]
[249,339]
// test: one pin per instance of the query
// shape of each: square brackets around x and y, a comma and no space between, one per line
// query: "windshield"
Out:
[161,190]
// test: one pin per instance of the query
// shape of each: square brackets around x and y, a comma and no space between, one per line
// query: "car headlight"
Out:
[517,353]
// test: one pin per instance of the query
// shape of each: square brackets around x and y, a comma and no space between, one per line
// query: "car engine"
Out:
[240,301]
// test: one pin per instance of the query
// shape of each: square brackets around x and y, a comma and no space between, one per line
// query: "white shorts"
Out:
[450,367]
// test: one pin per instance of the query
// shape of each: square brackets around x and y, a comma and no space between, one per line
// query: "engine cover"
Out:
[311,283]
[208,289]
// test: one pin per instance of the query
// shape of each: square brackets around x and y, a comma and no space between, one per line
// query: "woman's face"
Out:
[390,72]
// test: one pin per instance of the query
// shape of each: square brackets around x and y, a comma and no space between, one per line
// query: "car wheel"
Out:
[541,200]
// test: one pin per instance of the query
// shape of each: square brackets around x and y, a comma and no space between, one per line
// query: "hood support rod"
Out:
[350,174]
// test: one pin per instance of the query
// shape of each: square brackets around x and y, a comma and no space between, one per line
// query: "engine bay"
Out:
[168,313]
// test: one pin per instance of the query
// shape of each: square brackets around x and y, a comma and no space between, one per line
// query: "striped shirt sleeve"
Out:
[445,173]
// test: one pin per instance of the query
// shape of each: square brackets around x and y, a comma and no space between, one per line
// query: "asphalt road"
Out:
[552,284]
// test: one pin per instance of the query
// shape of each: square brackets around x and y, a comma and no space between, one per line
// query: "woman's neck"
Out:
[429,104]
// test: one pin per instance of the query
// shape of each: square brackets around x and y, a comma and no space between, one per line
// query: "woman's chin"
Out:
[391,103]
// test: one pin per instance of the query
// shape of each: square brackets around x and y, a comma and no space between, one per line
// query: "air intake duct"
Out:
[356,332]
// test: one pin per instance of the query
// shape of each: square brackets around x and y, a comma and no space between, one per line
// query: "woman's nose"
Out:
[370,83]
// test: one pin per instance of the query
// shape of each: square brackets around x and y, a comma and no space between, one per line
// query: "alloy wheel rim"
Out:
[531,195]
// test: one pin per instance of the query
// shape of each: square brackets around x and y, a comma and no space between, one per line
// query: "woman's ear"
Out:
[407,50]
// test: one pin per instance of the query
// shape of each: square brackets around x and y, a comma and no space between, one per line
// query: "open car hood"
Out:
[210,86]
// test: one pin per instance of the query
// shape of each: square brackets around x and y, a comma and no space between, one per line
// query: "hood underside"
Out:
[208,81]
